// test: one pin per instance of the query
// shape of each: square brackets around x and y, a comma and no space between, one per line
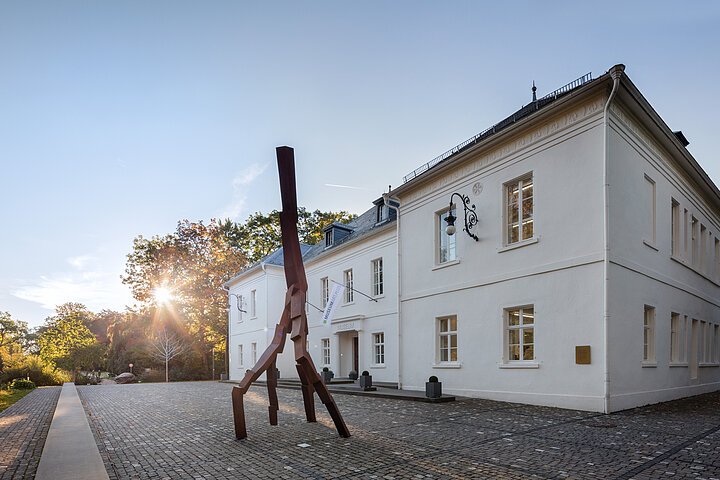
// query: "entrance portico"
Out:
[347,354]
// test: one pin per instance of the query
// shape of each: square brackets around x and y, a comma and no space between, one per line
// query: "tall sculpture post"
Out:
[293,320]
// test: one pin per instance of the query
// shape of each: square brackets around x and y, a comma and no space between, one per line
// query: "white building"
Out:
[363,333]
[594,283]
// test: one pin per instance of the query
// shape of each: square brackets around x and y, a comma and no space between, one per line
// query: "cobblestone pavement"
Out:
[23,430]
[184,430]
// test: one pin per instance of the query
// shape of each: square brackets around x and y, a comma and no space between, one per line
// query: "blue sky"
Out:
[119,118]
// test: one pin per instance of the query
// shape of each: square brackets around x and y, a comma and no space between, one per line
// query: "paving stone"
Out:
[23,430]
[185,430]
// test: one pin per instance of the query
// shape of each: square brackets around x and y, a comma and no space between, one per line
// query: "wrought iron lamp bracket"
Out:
[471,218]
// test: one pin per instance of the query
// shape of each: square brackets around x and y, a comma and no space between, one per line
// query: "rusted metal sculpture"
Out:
[292,321]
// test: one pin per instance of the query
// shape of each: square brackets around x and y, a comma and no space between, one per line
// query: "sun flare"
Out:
[162,295]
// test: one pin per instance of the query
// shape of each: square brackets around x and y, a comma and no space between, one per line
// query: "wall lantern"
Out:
[470,216]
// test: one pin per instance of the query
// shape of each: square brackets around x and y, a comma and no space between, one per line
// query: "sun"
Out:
[162,295]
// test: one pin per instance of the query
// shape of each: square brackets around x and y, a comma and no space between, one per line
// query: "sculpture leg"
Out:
[239,413]
[307,391]
[305,363]
[272,393]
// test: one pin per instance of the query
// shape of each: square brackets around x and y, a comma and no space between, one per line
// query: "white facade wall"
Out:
[363,317]
[559,271]
[644,271]
[246,329]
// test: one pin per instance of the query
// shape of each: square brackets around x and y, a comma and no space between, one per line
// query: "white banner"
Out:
[333,302]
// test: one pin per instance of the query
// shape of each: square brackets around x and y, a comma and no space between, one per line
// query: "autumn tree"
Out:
[193,263]
[66,341]
[13,334]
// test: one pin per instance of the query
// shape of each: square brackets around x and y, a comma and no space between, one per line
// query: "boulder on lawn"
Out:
[126,377]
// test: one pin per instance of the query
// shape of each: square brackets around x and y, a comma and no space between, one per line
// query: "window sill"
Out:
[678,364]
[253,318]
[378,366]
[648,364]
[446,264]
[518,365]
[651,245]
[378,297]
[523,243]
[709,365]
[348,304]
[447,365]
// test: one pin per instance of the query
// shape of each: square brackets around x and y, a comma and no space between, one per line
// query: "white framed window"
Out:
[325,342]
[253,300]
[703,248]
[382,213]
[241,358]
[675,228]
[329,238]
[707,332]
[519,210]
[240,307]
[520,337]
[695,241]
[253,352]
[447,244]
[348,281]
[677,338]
[447,339]
[378,287]
[651,200]
[379,348]
[324,291]
[649,334]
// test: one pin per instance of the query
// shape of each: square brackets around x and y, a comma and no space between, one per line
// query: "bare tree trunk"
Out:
[166,372]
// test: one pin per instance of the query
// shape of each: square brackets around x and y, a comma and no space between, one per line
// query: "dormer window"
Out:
[382,213]
[329,238]
[335,233]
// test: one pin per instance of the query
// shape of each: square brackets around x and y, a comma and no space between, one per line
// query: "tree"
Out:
[260,235]
[67,342]
[13,338]
[165,346]
[12,332]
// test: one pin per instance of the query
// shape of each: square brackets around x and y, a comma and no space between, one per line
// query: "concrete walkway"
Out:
[70,451]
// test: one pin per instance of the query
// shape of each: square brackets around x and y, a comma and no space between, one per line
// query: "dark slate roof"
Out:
[276,257]
[363,225]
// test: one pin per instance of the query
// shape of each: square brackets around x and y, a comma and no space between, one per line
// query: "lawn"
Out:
[8,397]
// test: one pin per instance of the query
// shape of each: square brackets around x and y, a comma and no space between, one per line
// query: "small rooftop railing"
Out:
[523,112]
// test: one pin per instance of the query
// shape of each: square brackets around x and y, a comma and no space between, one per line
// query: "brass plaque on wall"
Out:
[582,354]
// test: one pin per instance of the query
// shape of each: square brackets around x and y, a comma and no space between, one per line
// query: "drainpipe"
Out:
[616,73]
[227,338]
[386,200]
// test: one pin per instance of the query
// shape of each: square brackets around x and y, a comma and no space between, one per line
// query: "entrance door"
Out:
[355,354]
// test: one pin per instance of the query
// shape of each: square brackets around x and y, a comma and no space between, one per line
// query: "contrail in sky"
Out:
[344,186]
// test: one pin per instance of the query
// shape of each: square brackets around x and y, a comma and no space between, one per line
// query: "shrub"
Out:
[365,373]
[40,372]
[22,384]
[433,379]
